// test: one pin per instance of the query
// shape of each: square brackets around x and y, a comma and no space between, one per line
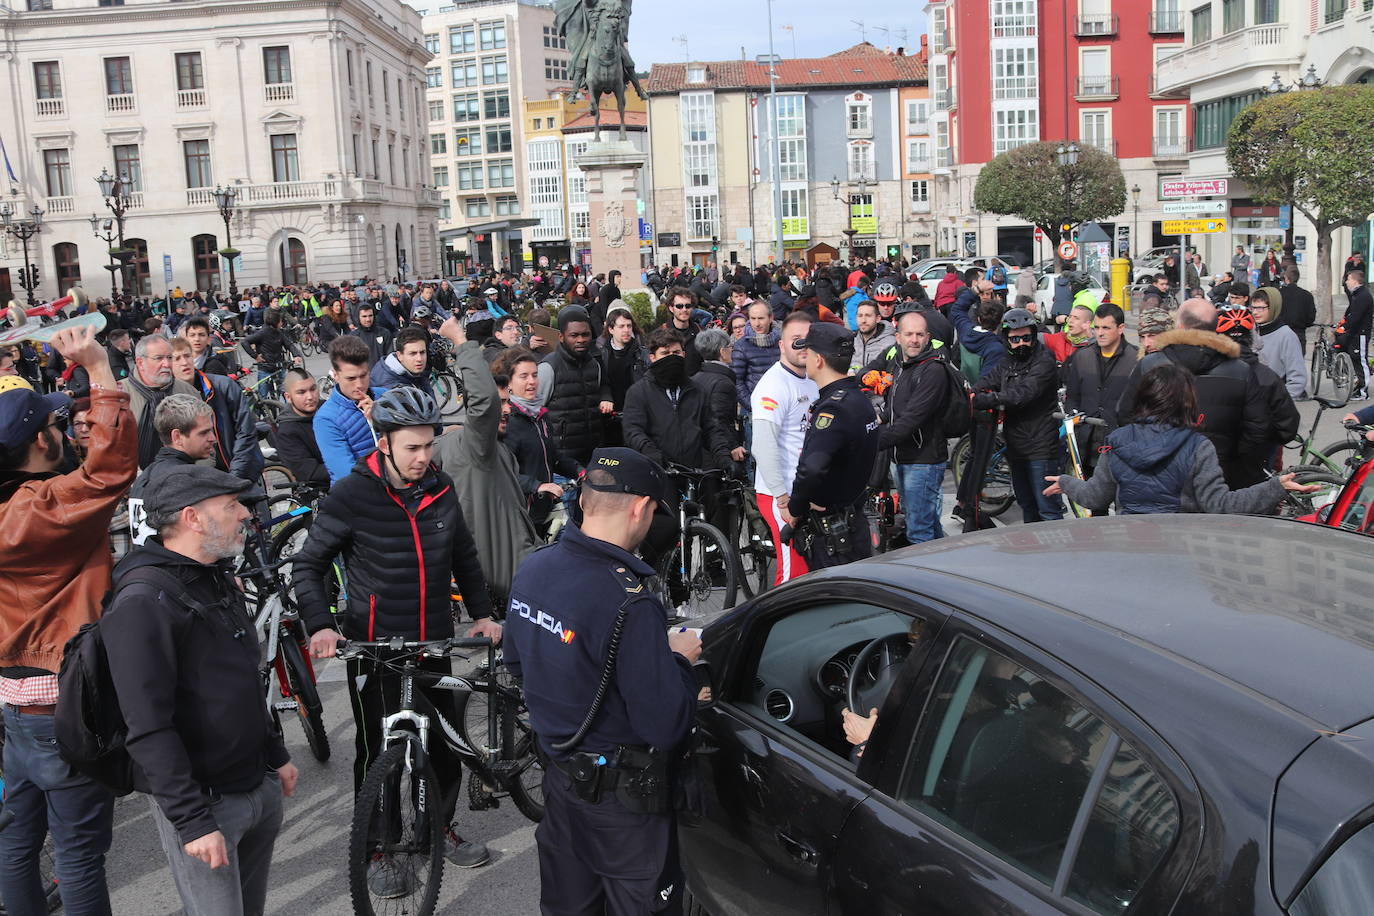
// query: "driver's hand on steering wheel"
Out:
[857,728]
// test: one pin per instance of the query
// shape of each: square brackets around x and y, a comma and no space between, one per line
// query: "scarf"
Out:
[530,406]
[148,441]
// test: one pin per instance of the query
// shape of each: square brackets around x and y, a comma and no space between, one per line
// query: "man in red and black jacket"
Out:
[397,523]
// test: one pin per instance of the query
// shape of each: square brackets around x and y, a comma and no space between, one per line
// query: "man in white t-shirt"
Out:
[780,404]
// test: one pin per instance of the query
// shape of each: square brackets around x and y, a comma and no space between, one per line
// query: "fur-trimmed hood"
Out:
[1197,351]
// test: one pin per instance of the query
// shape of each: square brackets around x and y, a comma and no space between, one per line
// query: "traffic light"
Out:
[1066,228]
[715,243]
[893,251]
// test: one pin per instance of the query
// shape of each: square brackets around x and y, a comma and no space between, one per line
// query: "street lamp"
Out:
[1309,80]
[224,199]
[850,202]
[1135,222]
[103,227]
[23,228]
[117,198]
[1067,155]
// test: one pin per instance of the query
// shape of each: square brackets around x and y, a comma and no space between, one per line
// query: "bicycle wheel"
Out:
[326,384]
[997,495]
[1318,368]
[697,577]
[396,843]
[1342,370]
[754,549]
[1297,505]
[447,389]
[1344,456]
[277,477]
[300,684]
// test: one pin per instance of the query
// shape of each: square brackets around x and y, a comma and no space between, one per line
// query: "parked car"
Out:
[1192,736]
[1044,292]
[934,271]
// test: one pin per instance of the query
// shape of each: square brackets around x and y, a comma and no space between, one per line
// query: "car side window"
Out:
[809,657]
[1006,760]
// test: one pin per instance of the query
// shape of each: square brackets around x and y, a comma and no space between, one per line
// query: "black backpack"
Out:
[88,723]
[958,416]
[999,275]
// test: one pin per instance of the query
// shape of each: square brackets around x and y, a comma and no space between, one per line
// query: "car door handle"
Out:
[796,849]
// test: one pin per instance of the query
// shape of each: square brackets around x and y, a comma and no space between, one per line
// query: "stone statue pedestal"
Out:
[612,170]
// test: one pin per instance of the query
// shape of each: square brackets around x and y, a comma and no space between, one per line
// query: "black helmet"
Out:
[1016,319]
[403,407]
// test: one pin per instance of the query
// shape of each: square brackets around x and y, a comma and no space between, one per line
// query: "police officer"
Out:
[825,507]
[611,696]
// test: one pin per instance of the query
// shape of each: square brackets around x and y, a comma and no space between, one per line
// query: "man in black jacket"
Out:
[1094,378]
[1352,335]
[184,662]
[399,526]
[574,389]
[377,338]
[1232,410]
[1026,386]
[608,294]
[295,438]
[1299,309]
[920,394]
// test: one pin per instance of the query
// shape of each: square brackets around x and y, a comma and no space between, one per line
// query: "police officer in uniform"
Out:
[825,507]
[611,695]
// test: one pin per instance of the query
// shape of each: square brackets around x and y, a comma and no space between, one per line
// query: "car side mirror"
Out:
[706,691]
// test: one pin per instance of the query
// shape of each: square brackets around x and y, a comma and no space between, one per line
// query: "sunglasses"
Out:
[1019,338]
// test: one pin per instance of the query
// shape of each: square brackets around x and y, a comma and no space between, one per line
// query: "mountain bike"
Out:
[1330,363]
[997,494]
[1337,458]
[396,841]
[750,535]
[697,575]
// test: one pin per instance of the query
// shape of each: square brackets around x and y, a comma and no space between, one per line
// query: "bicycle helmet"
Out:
[214,323]
[884,291]
[404,407]
[11,382]
[420,311]
[1016,319]
[1235,320]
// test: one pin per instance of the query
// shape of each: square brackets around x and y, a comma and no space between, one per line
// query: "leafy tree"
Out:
[1029,183]
[1315,150]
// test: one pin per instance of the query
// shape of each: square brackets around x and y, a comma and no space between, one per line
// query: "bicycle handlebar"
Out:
[1080,418]
[1357,426]
[400,644]
[681,470]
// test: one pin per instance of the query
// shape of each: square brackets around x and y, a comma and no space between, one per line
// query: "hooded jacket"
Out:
[920,394]
[1152,468]
[1232,409]
[189,688]
[751,360]
[389,373]
[54,537]
[236,429]
[1280,348]
[867,350]
[400,547]
[342,433]
[298,450]
[1028,390]
[986,348]
[947,290]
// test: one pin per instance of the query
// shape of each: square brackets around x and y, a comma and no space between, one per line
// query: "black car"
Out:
[1149,714]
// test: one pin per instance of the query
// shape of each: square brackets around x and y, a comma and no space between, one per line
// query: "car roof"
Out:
[1279,608]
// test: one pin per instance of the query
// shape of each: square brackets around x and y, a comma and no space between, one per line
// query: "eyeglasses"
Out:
[82,424]
[682,305]
[158,359]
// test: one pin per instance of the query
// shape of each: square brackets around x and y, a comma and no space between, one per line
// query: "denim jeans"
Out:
[1029,483]
[250,822]
[48,796]
[922,498]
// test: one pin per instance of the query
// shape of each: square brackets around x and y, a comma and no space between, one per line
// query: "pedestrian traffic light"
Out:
[893,251]
[715,243]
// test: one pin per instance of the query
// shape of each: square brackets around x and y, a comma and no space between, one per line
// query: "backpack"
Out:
[958,416]
[998,275]
[88,723]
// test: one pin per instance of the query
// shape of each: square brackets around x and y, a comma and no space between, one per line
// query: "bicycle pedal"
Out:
[286,706]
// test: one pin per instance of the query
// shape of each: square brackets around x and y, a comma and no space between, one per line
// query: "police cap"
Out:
[831,340]
[630,472]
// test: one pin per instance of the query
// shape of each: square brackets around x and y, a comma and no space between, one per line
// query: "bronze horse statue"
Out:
[609,65]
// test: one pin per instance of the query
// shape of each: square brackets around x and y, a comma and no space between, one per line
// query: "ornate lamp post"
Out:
[1135,221]
[23,228]
[224,199]
[1309,80]
[1067,154]
[103,228]
[117,198]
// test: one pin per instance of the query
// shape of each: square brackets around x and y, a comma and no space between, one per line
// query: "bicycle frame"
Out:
[1068,429]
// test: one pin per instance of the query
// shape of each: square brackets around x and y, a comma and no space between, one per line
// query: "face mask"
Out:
[1022,352]
[670,371]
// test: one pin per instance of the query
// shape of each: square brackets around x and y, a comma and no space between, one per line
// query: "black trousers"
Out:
[379,696]
[601,859]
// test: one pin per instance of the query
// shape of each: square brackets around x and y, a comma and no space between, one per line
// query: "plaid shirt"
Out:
[29,691]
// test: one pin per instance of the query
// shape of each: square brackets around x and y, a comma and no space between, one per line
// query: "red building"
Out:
[1008,72]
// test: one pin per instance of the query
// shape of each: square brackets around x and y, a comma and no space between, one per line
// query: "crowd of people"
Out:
[142,445]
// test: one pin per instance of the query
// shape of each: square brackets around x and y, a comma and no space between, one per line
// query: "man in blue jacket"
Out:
[236,429]
[408,367]
[341,424]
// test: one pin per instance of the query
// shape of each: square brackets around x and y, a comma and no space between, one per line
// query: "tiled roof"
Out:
[610,117]
[861,65]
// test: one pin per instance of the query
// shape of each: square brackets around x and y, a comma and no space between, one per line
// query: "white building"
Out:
[485,56]
[1233,52]
[312,110]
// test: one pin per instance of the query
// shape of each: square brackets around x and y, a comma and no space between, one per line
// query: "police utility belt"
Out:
[829,533]
[637,775]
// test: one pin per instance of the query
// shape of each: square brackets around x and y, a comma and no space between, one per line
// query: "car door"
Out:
[1022,793]
[774,779]
[931,278]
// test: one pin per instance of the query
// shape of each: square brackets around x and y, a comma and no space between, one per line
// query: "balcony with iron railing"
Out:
[1166,22]
[1108,145]
[1097,26]
[121,103]
[1258,47]
[279,92]
[50,108]
[1173,147]
[190,98]
[1098,88]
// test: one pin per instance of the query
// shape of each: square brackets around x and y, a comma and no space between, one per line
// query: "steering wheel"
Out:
[885,649]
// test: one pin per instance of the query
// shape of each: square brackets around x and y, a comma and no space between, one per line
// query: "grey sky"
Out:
[716,29]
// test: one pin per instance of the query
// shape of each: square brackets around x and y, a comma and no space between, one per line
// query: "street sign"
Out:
[167,271]
[1194,207]
[1194,187]
[669,239]
[1067,251]
[1192,226]
[646,230]
[1039,233]
[1286,217]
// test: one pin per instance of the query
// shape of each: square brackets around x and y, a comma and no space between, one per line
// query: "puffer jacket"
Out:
[751,361]
[573,397]
[400,548]
[342,434]
[1028,390]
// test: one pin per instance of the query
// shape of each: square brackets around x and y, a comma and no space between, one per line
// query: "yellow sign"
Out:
[795,227]
[861,218]
[1193,226]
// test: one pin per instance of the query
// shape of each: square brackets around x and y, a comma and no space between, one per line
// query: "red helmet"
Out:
[1235,318]
[884,291]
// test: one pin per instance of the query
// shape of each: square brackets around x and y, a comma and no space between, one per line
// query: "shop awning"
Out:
[500,225]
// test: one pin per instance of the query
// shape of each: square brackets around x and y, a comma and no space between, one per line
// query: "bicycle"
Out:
[699,568]
[997,495]
[397,835]
[448,392]
[1069,421]
[886,521]
[1333,459]
[754,555]
[1331,363]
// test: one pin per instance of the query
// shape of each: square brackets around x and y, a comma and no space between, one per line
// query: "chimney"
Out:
[901,52]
